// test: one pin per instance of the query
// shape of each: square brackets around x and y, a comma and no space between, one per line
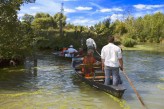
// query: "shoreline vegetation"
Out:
[153,47]
[150,47]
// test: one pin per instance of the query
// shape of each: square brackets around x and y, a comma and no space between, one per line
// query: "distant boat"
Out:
[59,54]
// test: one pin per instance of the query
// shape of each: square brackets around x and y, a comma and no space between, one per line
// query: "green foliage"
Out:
[13,42]
[150,28]
[43,21]
[128,42]
[42,31]
[59,17]
[42,15]
[119,27]
[28,18]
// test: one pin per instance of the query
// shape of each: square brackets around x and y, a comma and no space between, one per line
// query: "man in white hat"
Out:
[71,51]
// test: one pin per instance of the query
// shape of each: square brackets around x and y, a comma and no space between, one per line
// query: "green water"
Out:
[52,84]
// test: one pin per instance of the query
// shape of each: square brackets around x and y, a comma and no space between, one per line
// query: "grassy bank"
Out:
[146,47]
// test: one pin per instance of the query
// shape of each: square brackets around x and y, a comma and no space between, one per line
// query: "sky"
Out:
[90,12]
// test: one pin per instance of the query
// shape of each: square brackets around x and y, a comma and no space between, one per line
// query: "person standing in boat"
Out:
[111,56]
[88,61]
[91,44]
[71,51]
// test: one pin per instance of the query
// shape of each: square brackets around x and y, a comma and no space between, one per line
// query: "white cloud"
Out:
[83,21]
[105,10]
[34,8]
[142,6]
[110,10]
[117,9]
[92,14]
[83,8]
[139,6]
[45,6]
[69,10]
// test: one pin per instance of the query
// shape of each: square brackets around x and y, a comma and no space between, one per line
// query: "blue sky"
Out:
[90,12]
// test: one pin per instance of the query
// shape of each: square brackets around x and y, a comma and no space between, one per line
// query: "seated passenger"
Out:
[79,53]
[71,51]
[64,51]
[88,62]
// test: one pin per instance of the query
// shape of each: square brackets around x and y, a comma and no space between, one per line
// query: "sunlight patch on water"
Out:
[160,86]
[121,102]
[162,79]
[21,94]
[13,69]
[43,67]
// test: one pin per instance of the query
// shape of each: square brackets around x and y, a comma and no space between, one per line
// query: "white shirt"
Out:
[71,50]
[111,53]
[90,42]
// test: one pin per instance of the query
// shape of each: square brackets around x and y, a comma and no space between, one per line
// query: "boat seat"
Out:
[96,77]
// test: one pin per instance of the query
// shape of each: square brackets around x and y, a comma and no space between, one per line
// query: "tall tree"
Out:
[59,16]
[43,21]
[10,30]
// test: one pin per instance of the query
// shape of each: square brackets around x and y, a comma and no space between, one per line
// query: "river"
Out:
[50,83]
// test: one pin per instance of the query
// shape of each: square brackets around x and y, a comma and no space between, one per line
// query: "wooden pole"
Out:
[131,84]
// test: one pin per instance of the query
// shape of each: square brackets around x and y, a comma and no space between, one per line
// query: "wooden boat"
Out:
[97,81]
[73,59]
[62,56]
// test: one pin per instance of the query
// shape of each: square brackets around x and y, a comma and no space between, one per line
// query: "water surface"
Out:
[50,83]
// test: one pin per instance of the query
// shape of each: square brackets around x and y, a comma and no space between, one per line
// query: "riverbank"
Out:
[146,47]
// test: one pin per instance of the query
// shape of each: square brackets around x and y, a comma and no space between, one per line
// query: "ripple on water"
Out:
[56,87]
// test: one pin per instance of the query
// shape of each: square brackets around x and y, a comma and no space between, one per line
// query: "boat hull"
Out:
[116,91]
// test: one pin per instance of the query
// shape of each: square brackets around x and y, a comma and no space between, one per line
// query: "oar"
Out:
[131,84]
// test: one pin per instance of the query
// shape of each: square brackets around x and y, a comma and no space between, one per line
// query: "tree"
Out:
[106,22]
[43,21]
[28,18]
[10,32]
[59,16]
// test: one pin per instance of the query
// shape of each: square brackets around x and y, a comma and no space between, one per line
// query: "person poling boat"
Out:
[89,71]
[111,56]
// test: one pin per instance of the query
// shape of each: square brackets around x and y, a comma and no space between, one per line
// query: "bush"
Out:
[128,42]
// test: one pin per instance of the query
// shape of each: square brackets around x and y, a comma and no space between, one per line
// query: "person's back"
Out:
[88,62]
[71,51]
[90,43]
[111,56]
